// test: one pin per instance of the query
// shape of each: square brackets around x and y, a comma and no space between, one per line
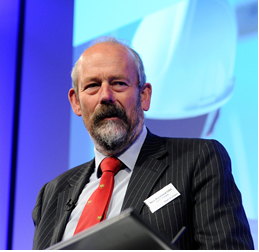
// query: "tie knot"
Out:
[111,164]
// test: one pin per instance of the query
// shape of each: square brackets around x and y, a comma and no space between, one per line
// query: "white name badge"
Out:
[162,197]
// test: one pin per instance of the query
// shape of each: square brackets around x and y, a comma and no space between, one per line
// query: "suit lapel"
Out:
[75,186]
[148,169]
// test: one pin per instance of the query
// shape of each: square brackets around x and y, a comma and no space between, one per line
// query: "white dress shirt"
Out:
[121,181]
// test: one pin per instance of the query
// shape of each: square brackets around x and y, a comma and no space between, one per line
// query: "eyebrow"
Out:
[115,77]
[120,77]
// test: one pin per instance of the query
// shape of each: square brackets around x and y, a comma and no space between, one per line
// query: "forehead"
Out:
[105,56]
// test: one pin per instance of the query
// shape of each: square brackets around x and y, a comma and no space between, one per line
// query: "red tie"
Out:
[96,207]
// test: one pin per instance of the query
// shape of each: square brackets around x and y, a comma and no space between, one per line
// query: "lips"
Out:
[111,118]
[108,116]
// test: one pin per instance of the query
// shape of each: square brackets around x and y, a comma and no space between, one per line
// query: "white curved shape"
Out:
[188,51]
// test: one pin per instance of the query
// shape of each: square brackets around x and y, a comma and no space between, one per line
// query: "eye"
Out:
[92,85]
[92,88]
[119,86]
[120,83]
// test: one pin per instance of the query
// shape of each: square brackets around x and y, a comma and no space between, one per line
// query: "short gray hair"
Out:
[138,62]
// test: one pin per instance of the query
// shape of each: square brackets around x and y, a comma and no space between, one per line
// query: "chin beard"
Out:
[112,135]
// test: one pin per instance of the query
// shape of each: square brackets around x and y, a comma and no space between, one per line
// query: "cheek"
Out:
[134,109]
[86,108]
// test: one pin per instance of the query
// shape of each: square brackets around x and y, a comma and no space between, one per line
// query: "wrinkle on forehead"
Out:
[109,51]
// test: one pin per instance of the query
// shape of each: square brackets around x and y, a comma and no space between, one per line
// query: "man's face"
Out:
[109,99]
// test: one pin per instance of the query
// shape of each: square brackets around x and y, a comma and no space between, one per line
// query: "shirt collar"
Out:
[128,157]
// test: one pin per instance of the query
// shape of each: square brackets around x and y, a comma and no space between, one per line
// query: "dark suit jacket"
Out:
[209,205]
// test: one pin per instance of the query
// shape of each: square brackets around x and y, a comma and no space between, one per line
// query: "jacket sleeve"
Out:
[36,213]
[219,219]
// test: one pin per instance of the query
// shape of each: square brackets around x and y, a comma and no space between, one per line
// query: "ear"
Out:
[74,101]
[146,96]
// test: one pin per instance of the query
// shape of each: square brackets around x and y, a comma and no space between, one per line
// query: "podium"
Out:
[125,231]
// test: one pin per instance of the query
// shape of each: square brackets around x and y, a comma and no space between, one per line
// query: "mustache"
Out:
[110,110]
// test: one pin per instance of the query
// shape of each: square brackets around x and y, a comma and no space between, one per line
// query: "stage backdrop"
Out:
[200,56]
[35,65]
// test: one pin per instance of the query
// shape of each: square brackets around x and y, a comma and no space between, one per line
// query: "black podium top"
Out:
[126,231]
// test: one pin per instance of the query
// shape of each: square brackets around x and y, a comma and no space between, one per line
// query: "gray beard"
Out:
[112,135]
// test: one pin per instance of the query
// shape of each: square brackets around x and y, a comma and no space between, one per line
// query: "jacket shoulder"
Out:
[72,175]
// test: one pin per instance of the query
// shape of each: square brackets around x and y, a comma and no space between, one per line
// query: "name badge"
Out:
[162,197]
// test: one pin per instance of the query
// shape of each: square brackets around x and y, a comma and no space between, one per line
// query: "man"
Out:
[110,93]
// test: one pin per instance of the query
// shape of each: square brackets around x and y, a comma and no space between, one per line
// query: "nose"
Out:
[106,94]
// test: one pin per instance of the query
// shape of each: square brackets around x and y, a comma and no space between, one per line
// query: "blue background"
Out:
[50,139]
